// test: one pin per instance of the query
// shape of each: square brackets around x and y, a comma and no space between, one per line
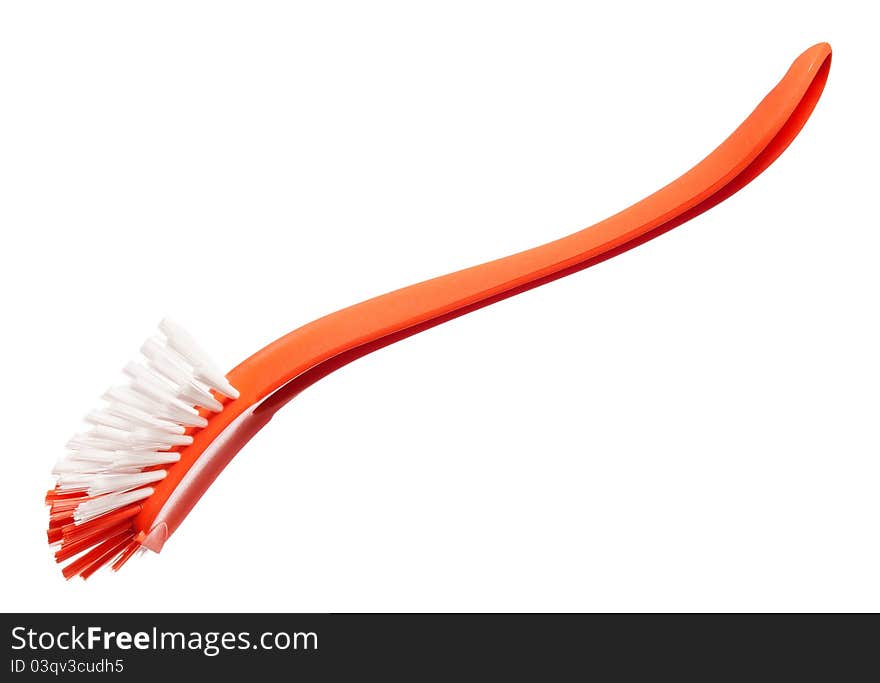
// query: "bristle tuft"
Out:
[132,441]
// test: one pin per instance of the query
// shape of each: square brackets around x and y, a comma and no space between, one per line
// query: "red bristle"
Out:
[58,494]
[68,550]
[60,519]
[94,554]
[73,532]
[66,505]
[107,556]
[54,534]
[126,555]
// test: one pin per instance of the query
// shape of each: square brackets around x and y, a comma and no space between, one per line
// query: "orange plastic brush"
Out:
[159,442]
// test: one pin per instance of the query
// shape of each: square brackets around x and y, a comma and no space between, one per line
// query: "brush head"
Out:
[133,438]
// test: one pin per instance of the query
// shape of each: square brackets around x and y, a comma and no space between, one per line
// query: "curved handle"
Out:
[751,148]
[274,375]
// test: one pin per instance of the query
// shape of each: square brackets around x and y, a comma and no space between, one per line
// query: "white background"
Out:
[690,426]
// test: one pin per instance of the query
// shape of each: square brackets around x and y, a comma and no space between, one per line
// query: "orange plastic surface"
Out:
[282,369]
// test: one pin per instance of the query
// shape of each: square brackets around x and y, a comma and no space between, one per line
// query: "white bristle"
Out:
[112,417]
[117,483]
[181,341]
[215,379]
[93,455]
[68,467]
[103,417]
[171,412]
[88,441]
[99,484]
[95,507]
[170,364]
[145,460]
[203,367]
[128,445]
[141,437]
[141,417]
[163,388]
[193,393]
[84,461]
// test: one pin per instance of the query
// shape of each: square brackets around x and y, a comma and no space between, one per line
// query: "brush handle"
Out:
[752,147]
[271,377]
